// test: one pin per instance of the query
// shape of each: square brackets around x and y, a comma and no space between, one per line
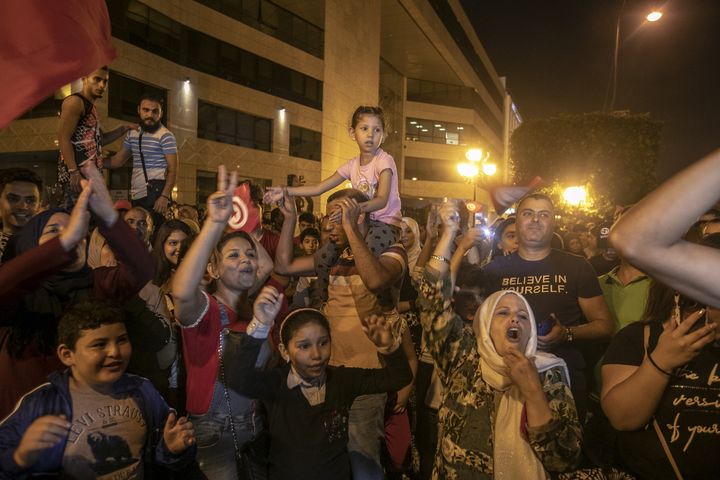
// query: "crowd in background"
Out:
[355,344]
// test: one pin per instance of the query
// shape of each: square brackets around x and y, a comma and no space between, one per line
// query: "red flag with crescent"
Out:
[246,216]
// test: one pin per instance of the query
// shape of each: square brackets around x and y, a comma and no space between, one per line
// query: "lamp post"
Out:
[651,17]
[477,165]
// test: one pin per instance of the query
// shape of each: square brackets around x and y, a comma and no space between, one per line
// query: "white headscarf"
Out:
[414,251]
[512,455]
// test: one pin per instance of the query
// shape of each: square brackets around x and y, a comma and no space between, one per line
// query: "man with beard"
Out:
[20,190]
[154,153]
[80,137]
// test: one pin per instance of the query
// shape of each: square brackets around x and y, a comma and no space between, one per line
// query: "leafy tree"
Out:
[613,155]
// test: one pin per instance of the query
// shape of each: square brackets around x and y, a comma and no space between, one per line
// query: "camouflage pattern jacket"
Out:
[467,414]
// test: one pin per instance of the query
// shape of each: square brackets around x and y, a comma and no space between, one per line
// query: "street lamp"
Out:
[575,196]
[472,169]
[489,169]
[654,16]
[651,17]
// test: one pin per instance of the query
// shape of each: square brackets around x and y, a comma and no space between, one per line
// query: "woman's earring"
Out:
[676,309]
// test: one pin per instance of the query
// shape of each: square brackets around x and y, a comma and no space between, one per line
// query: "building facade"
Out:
[268,88]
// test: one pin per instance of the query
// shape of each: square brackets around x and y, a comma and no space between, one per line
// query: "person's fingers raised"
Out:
[221,178]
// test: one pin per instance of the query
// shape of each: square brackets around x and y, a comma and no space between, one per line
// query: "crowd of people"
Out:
[148,339]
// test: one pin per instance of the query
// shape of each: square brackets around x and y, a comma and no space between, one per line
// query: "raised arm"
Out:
[136,267]
[650,234]
[447,340]
[188,298]
[274,194]
[377,273]
[26,271]
[285,263]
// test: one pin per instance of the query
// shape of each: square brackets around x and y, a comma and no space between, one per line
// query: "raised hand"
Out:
[431,227]
[677,345]
[178,434]
[287,206]
[219,204]
[43,433]
[349,212]
[450,216]
[267,305]
[378,331]
[77,228]
[471,238]
[100,201]
[273,194]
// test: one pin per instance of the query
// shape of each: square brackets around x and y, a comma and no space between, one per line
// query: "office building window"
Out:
[124,97]
[273,20]
[206,185]
[305,143]
[225,125]
[50,107]
[431,169]
[455,96]
[437,131]
[150,30]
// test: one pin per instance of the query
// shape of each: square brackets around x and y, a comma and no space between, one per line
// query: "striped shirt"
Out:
[155,146]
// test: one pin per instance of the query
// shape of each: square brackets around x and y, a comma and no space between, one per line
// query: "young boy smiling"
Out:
[93,420]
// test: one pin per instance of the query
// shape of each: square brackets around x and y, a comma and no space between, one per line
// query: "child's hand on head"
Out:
[267,305]
[378,331]
[178,433]
[43,433]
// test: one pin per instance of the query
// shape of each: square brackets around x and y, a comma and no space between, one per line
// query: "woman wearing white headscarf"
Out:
[507,411]
[410,238]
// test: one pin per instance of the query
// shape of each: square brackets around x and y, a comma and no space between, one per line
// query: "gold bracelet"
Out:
[440,258]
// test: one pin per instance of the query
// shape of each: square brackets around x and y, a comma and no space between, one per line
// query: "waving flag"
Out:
[46,44]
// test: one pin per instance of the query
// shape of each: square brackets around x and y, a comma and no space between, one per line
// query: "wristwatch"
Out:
[568,335]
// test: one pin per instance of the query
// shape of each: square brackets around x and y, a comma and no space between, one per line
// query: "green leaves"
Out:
[613,154]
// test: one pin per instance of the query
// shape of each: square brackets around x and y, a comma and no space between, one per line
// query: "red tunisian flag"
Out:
[246,216]
[47,44]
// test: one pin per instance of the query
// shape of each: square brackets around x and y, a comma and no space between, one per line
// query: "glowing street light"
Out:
[651,17]
[489,169]
[468,170]
[575,196]
[654,16]
[474,154]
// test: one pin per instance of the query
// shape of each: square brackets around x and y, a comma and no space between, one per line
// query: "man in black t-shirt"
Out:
[562,289]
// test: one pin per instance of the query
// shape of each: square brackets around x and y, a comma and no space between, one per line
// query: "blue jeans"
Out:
[215,446]
[365,431]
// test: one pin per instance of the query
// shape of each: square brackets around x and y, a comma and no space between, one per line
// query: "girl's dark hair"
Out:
[497,236]
[298,319]
[367,110]
[164,267]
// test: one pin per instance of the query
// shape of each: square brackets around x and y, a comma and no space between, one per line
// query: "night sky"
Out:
[557,54]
